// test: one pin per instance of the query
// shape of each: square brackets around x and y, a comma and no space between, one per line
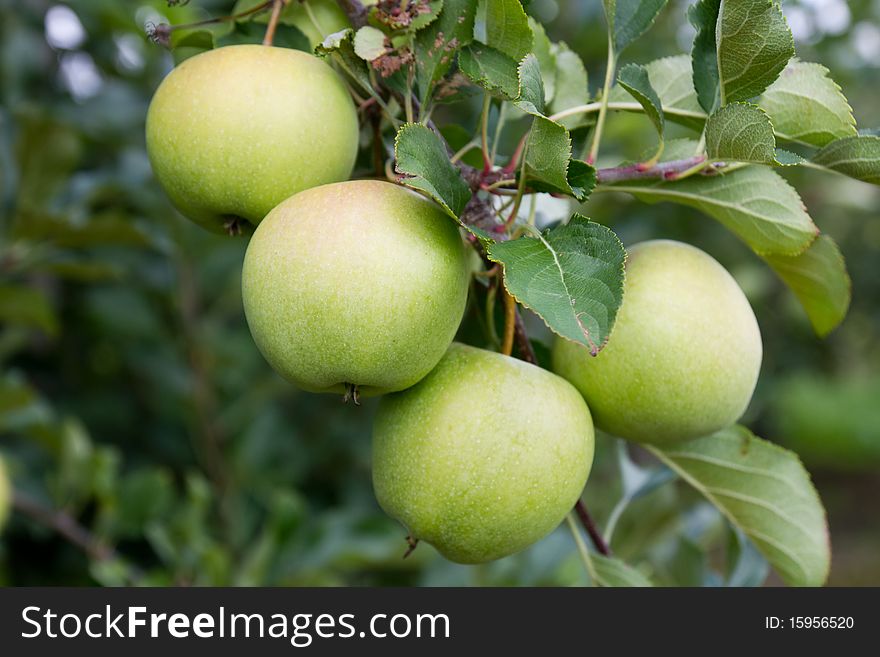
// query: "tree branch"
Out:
[663,170]
[587,521]
[63,524]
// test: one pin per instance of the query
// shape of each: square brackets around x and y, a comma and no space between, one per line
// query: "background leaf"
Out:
[436,44]
[764,490]
[507,28]
[571,275]
[857,157]
[614,572]
[490,69]
[630,19]
[807,106]
[571,86]
[635,80]
[755,202]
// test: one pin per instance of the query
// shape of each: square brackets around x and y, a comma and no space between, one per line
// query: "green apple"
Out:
[234,131]
[683,357]
[355,286]
[5,494]
[484,456]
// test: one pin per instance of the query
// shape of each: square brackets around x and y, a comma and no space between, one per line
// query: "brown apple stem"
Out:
[587,521]
[509,322]
[412,544]
[64,524]
[273,22]
[352,394]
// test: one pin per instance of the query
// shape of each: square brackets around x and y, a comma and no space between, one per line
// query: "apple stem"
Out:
[412,544]
[587,521]
[352,394]
[273,22]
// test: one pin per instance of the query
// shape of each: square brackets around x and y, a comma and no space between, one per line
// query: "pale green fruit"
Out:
[234,131]
[484,456]
[5,494]
[360,283]
[684,354]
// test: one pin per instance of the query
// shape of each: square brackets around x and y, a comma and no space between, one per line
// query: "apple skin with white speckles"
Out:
[361,282]
[5,494]
[483,457]
[683,357]
[234,131]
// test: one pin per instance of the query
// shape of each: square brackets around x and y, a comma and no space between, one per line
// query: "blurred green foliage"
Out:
[133,399]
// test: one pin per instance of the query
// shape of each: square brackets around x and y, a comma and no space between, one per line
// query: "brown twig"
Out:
[662,170]
[273,22]
[64,524]
[587,521]
[509,321]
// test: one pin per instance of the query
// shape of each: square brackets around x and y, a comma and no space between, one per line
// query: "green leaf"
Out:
[570,275]
[754,202]
[490,69]
[422,160]
[186,44]
[545,52]
[614,572]
[635,80]
[704,58]
[740,49]
[26,306]
[819,280]
[423,20]
[630,19]
[547,156]
[571,89]
[857,157]
[672,80]
[507,28]
[549,166]
[754,45]
[436,44]
[807,106]
[765,491]
[531,86]
[369,43]
[740,132]
[286,36]
[340,46]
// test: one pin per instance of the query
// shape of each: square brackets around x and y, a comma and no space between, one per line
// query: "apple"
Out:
[484,456]
[5,494]
[234,131]
[683,356]
[355,287]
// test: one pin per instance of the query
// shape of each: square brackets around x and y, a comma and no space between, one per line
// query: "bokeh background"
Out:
[133,401]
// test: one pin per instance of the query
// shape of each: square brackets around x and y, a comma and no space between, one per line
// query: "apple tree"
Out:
[393,252]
